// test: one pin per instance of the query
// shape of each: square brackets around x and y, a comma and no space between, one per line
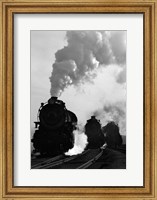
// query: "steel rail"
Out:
[59,162]
[47,161]
[93,160]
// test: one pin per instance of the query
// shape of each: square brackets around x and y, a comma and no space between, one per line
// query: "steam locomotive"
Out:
[112,135]
[54,128]
[94,133]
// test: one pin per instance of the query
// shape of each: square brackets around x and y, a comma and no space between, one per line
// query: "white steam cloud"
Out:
[102,97]
[80,141]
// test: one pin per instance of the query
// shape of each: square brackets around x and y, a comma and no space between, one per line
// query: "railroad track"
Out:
[91,161]
[57,160]
[83,161]
[47,161]
[88,157]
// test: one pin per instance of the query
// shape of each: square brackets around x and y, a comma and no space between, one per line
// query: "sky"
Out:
[44,44]
[85,69]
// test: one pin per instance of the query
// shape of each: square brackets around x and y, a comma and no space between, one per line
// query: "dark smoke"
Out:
[85,52]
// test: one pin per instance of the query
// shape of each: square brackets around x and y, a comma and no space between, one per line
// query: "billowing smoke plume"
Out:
[89,74]
[86,51]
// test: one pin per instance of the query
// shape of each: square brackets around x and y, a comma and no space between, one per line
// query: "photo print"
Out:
[78,99]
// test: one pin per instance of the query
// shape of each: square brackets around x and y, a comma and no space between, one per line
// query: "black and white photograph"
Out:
[78,99]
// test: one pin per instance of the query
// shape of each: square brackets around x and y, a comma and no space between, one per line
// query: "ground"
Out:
[111,159]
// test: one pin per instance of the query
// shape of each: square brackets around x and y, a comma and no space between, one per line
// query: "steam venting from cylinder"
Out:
[80,141]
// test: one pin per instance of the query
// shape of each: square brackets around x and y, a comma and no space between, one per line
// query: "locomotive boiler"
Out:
[94,133]
[54,128]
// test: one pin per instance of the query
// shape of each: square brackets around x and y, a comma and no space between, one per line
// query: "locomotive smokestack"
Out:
[52,100]
[93,117]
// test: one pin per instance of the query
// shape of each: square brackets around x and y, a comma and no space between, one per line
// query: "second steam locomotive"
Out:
[94,133]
